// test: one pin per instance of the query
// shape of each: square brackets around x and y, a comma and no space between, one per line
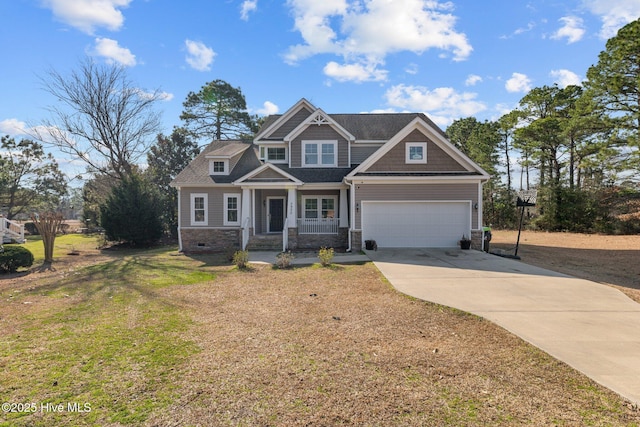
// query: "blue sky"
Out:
[448,59]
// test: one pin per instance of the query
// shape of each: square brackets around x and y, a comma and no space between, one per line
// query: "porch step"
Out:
[265,242]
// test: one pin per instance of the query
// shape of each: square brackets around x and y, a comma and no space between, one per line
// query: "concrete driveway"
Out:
[592,327]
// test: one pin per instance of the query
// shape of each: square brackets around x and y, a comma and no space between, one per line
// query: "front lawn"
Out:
[157,338]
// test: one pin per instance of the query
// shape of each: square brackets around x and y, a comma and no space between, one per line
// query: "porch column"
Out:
[344,217]
[246,206]
[292,208]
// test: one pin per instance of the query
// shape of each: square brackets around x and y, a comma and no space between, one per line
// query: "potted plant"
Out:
[465,243]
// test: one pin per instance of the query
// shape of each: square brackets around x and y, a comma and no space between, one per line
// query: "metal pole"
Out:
[519,231]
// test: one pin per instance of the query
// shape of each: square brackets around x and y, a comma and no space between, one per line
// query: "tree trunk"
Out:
[47,225]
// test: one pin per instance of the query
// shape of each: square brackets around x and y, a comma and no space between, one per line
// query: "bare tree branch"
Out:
[100,118]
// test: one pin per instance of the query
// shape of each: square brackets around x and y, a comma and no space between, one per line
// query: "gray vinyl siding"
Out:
[359,154]
[423,192]
[215,204]
[319,133]
[437,159]
[291,124]
[269,174]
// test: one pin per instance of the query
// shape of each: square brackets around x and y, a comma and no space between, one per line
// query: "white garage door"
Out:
[415,224]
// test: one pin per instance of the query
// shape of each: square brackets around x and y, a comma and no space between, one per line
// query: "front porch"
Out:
[294,218]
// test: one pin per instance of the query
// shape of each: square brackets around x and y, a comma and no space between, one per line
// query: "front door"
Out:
[275,214]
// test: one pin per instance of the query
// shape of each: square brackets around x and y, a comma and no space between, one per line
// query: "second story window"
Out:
[319,153]
[274,154]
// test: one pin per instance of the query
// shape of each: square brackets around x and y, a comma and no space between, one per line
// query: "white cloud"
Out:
[573,29]
[354,72]
[614,14]
[443,105]
[268,108]
[87,15]
[366,32]
[13,127]
[161,96]
[472,80]
[247,7]
[114,53]
[411,69]
[518,83]
[199,56]
[565,78]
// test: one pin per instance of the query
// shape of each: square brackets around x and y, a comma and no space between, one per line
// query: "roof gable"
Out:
[268,172]
[318,118]
[273,123]
[433,136]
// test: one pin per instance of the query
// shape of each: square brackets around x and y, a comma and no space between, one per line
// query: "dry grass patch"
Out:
[317,346]
[156,338]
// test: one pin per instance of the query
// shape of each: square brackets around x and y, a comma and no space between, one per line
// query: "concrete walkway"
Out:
[592,327]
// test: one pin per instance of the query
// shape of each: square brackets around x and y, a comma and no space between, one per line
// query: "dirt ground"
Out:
[613,260]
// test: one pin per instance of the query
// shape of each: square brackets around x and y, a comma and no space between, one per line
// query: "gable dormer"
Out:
[223,159]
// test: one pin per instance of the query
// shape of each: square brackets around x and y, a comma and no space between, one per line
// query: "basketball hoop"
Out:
[526,198]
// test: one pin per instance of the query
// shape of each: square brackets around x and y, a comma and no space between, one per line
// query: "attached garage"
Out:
[415,224]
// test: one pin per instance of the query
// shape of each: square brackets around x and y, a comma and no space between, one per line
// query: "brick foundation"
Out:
[210,240]
[316,241]
[356,241]
[476,240]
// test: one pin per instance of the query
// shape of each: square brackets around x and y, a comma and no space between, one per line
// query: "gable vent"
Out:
[319,119]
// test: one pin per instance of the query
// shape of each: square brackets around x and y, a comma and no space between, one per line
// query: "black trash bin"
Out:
[370,245]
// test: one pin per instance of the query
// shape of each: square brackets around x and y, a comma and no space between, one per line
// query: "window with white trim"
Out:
[219,167]
[319,207]
[199,209]
[231,209]
[320,153]
[274,154]
[416,152]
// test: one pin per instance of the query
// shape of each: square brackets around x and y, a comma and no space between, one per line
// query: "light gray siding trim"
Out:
[418,192]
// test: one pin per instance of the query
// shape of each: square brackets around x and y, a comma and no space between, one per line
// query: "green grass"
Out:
[62,246]
[103,336]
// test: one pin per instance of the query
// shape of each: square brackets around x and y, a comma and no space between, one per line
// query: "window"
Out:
[273,154]
[319,154]
[199,214]
[219,167]
[276,154]
[416,152]
[319,207]
[231,209]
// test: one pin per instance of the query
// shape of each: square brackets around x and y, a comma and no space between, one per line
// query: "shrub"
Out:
[31,229]
[14,257]
[326,256]
[284,259]
[132,213]
[241,259]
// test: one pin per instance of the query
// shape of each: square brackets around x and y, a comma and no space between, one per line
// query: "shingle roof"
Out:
[197,172]
[370,127]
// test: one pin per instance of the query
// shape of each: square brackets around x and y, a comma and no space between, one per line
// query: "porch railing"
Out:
[318,225]
[11,230]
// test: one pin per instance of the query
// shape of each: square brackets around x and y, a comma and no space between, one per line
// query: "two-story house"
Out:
[312,179]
